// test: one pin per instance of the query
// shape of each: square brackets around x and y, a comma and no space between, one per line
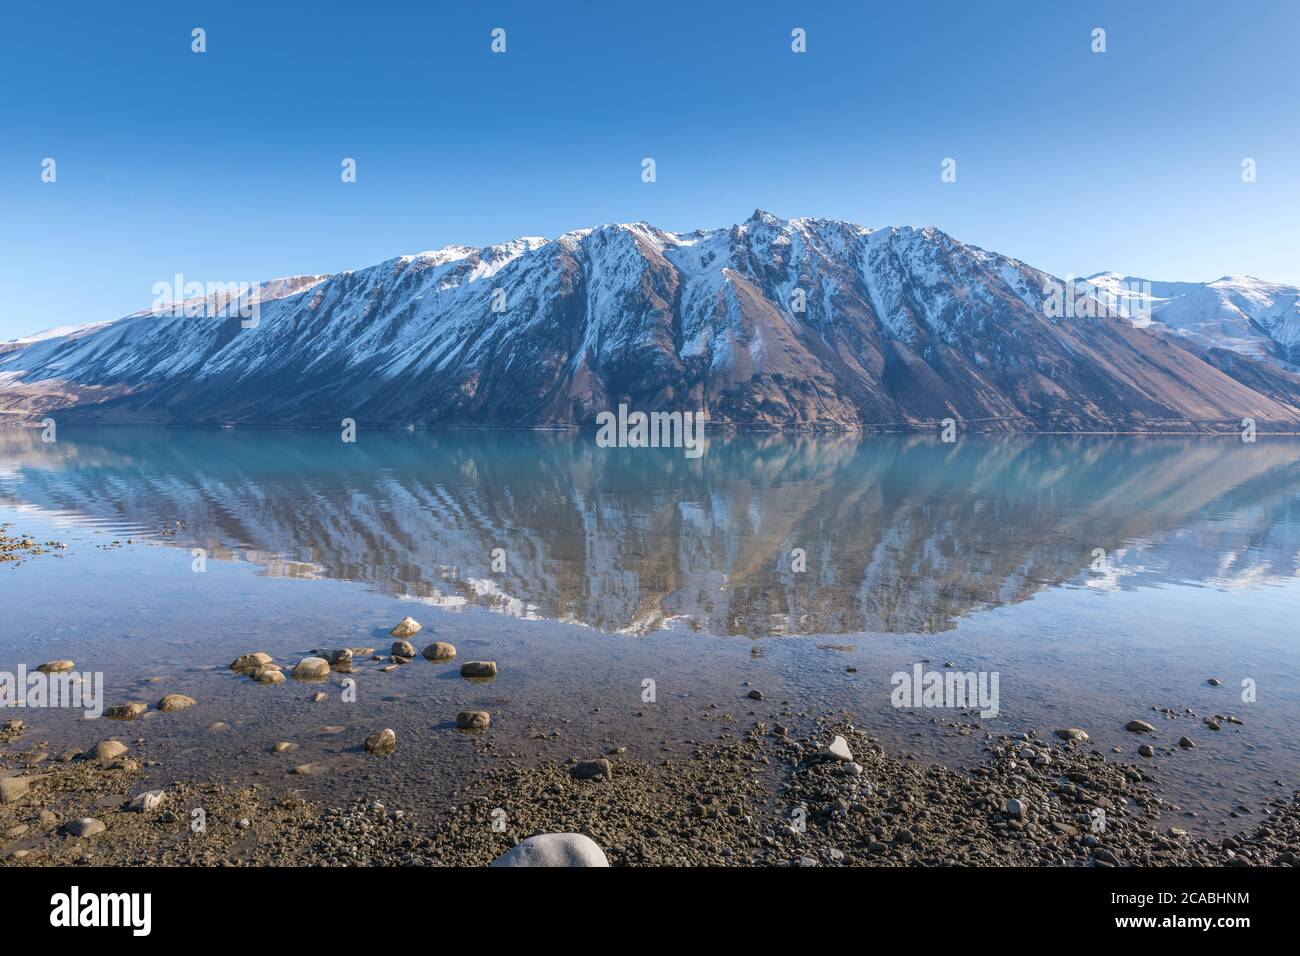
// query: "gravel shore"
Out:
[763,797]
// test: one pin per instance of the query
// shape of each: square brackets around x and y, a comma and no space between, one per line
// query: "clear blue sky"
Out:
[225,166]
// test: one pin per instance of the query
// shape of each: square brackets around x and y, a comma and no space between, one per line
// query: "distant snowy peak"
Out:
[1239,313]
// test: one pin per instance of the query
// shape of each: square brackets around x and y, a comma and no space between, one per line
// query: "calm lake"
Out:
[1099,578]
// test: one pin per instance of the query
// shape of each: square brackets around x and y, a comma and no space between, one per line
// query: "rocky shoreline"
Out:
[779,786]
[762,797]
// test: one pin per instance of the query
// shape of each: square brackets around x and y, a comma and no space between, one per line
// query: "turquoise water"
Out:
[1099,577]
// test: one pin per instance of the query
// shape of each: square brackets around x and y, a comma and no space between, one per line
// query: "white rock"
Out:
[839,749]
[406,627]
[1017,808]
[554,849]
[147,801]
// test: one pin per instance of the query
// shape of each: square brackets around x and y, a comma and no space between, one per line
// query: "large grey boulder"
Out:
[85,827]
[554,849]
[147,802]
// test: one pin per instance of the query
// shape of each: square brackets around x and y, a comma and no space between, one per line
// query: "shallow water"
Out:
[627,565]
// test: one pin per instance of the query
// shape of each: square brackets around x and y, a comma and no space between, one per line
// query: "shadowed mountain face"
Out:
[898,534]
[798,324]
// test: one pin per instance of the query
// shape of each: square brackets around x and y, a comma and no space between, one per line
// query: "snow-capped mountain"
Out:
[803,323]
[1247,315]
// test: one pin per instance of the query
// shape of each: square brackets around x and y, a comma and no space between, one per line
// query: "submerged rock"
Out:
[56,667]
[1186,743]
[126,711]
[554,849]
[175,702]
[402,649]
[384,742]
[439,651]
[473,720]
[478,669]
[270,674]
[1139,727]
[248,663]
[406,627]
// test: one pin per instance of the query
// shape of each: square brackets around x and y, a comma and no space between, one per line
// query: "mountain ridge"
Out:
[787,324]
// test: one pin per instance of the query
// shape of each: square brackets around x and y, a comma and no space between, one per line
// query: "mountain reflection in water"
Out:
[900,533]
